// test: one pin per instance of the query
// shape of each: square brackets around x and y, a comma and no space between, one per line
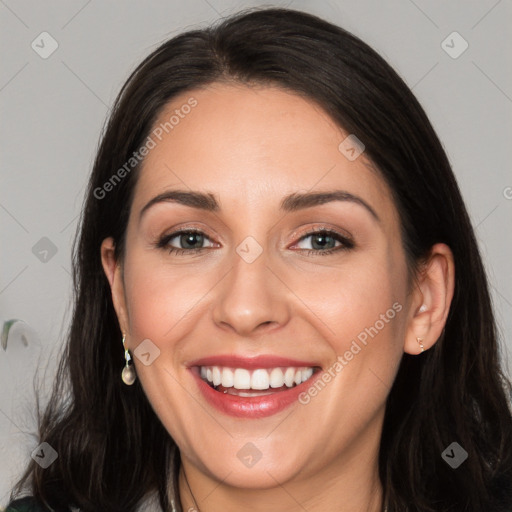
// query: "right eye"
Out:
[185,237]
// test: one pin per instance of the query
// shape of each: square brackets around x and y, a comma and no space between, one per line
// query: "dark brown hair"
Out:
[113,449]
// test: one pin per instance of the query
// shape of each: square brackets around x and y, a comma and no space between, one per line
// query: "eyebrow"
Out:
[290,203]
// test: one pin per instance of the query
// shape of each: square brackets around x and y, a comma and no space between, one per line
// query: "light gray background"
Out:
[52,111]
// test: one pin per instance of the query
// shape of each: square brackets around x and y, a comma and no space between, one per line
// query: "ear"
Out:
[113,271]
[431,299]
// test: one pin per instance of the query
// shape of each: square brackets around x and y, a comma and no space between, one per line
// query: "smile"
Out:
[260,381]
[252,387]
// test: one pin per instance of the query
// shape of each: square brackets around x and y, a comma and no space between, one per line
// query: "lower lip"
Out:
[252,407]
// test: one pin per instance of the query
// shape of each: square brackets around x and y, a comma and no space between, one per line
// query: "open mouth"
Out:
[252,383]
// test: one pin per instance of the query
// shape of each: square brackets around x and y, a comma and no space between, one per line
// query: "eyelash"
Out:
[347,243]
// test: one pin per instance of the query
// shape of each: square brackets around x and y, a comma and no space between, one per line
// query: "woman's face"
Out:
[264,286]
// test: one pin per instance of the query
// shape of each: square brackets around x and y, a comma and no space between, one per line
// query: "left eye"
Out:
[321,242]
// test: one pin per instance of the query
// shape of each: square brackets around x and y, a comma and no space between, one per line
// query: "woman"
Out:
[247,372]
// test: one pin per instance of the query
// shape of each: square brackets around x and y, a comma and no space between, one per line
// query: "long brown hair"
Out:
[113,449]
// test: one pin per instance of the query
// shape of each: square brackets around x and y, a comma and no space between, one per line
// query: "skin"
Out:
[251,146]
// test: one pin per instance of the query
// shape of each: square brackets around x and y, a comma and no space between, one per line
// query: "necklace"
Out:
[194,500]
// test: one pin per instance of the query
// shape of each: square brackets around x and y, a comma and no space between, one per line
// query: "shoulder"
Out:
[29,504]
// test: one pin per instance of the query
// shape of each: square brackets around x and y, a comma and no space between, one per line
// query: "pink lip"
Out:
[250,363]
[252,407]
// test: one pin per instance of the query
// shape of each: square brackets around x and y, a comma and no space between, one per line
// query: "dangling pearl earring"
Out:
[128,374]
[419,340]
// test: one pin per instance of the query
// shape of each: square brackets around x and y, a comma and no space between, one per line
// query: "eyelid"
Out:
[185,228]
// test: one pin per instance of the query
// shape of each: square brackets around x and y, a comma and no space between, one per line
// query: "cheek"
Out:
[349,300]
[361,314]
[160,296]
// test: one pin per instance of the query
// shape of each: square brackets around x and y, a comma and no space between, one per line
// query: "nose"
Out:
[252,298]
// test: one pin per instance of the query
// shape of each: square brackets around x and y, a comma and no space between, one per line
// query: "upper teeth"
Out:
[241,378]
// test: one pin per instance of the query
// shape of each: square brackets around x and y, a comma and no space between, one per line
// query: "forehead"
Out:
[251,146]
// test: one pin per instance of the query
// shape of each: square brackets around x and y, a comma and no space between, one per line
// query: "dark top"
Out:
[28,504]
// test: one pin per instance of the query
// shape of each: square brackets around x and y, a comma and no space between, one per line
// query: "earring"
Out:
[128,374]
[419,340]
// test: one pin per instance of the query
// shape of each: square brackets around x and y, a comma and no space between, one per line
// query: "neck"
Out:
[349,483]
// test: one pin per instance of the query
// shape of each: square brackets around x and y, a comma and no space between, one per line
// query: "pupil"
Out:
[322,237]
[189,237]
